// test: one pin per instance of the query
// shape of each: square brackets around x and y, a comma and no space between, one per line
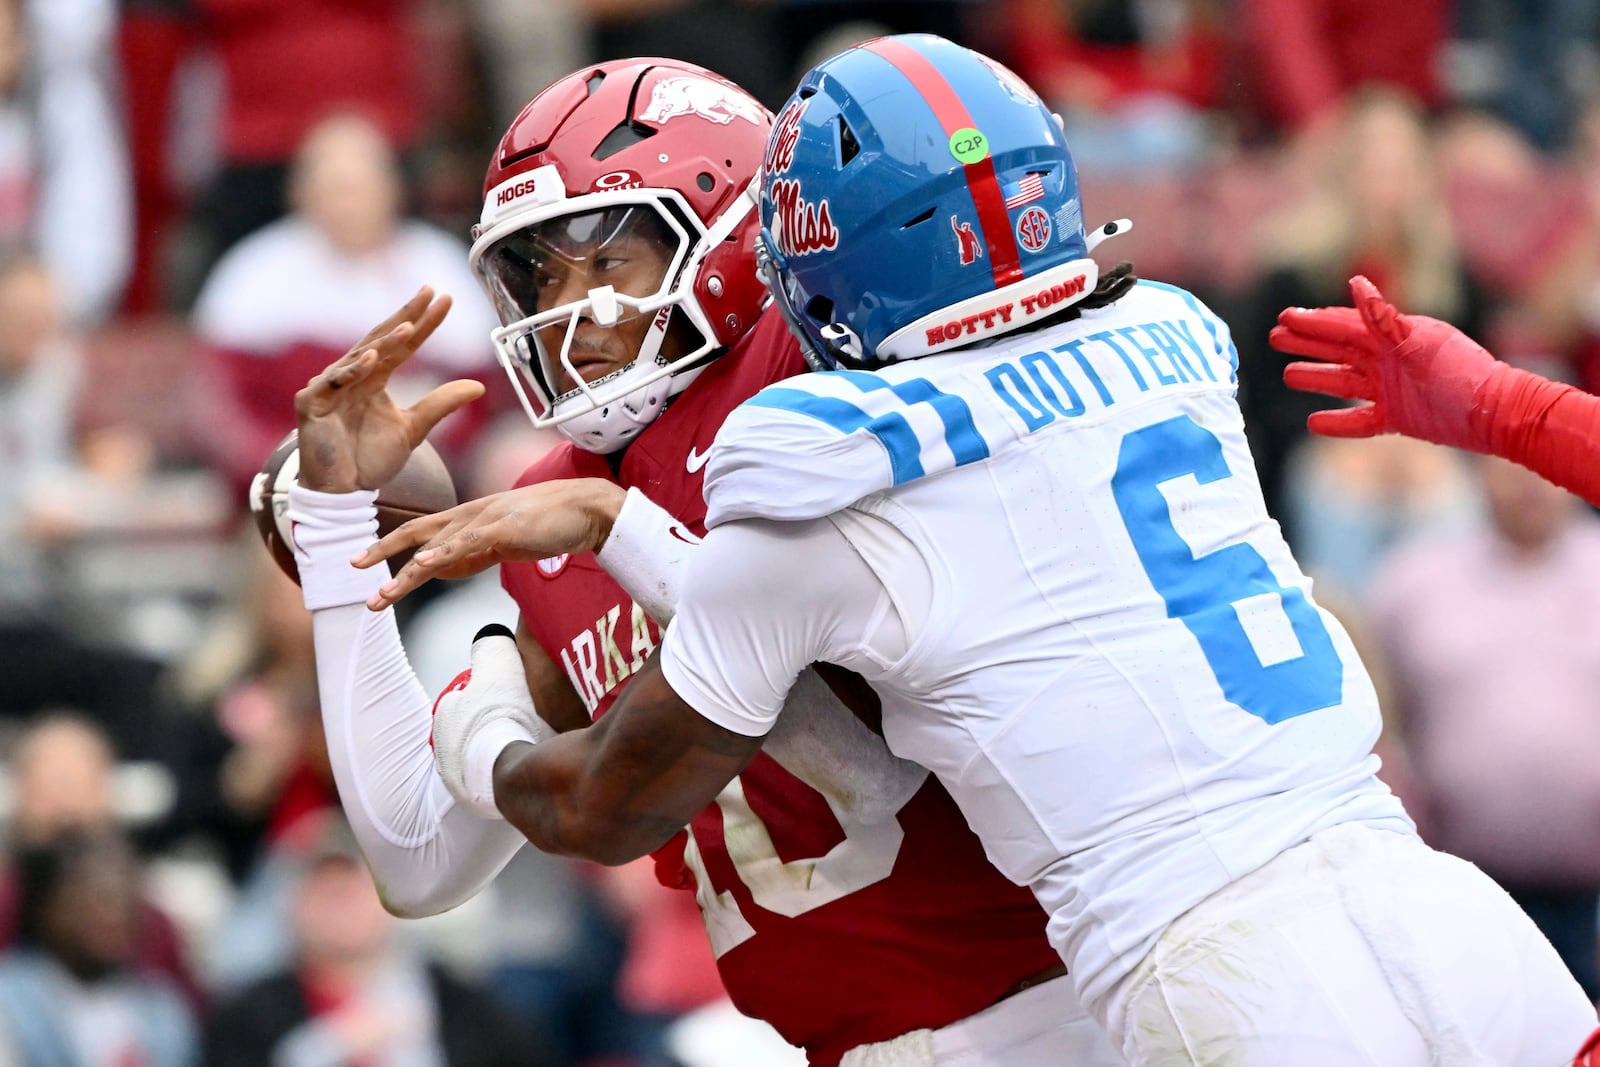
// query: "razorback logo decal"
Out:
[713,101]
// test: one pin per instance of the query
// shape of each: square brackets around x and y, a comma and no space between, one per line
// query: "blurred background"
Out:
[204,201]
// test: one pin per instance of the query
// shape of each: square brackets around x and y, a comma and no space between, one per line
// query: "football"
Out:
[422,487]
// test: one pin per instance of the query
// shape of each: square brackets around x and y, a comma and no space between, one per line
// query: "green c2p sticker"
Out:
[968,145]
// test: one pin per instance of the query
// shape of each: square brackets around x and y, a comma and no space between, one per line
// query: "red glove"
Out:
[1425,378]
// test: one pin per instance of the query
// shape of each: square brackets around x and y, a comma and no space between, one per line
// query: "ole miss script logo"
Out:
[1033,229]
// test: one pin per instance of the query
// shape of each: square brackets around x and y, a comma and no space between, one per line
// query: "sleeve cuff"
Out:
[647,552]
[329,528]
[483,752]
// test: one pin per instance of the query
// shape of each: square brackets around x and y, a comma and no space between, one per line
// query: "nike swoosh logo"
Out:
[696,460]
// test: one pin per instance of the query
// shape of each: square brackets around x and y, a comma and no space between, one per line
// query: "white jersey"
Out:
[1110,658]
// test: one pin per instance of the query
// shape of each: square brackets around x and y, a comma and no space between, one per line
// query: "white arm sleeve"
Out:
[647,553]
[427,854]
[762,600]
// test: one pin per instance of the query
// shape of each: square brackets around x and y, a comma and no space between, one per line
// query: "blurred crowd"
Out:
[202,202]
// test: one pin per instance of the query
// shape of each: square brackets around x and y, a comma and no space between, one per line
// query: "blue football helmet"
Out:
[917,196]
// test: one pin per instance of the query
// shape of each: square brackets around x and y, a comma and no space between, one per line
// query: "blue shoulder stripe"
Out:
[960,432]
[1207,317]
[896,435]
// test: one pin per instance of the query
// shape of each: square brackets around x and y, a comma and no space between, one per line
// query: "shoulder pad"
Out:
[813,444]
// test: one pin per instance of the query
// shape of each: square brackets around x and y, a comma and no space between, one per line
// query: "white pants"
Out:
[1360,946]
[1045,1026]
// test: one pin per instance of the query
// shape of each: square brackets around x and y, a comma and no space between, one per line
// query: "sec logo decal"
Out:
[1033,229]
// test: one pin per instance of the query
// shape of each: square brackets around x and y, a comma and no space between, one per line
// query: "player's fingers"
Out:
[323,393]
[441,557]
[406,536]
[395,589]
[1335,324]
[1330,379]
[467,566]
[1294,343]
[430,319]
[427,412]
[1381,317]
[402,342]
[407,312]
[1346,422]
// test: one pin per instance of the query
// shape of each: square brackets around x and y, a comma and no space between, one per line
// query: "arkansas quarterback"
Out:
[847,902]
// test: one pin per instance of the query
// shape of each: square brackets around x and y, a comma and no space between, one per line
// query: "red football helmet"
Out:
[635,172]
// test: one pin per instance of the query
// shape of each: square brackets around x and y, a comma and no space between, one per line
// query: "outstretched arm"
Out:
[1426,379]
[427,852]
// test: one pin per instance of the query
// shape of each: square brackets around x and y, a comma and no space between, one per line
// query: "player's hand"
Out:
[352,433]
[534,522]
[1423,377]
[486,708]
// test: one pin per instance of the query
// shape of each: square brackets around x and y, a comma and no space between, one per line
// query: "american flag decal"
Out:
[1029,189]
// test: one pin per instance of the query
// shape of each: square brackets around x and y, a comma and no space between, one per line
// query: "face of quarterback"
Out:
[625,248]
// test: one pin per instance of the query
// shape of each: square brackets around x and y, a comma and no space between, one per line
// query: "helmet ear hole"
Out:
[849,147]
[819,309]
[625,134]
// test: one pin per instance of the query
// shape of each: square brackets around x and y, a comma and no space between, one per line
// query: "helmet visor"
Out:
[554,264]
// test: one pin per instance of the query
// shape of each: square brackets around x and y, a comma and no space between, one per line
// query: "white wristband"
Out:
[329,528]
[483,751]
[647,552]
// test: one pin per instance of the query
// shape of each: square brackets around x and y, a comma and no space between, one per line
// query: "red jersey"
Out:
[836,942]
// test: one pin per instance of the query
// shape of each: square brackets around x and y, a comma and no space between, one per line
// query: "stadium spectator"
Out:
[522,55]
[1566,295]
[62,784]
[354,994]
[1133,82]
[242,720]
[1493,643]
[1350,502]
[1381,210]
[1309,56]
[71,991]
[285,301]
[64,181]
[286,65]
[46,658]
[1531,62]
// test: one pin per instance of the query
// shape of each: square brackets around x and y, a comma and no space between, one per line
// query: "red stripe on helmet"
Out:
[993,219]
